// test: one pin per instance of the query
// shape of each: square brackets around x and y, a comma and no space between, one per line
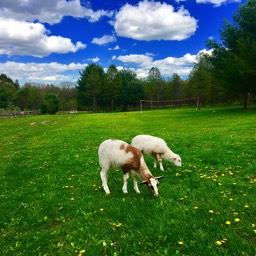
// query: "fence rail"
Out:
[16,113]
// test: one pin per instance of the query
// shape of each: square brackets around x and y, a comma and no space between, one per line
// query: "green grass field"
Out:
[52,203]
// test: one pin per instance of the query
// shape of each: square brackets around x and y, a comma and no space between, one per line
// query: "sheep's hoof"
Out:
[107,191]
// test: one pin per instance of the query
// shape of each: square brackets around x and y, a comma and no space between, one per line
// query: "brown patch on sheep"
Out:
[122,146]
[134,162]
[146,176]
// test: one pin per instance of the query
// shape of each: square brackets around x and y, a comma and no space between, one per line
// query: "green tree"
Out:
[154,85]
[94,82]
[88,85]
[234,60]
[177,87]
[7,90]
[201,82]
[154,74]
[28,97]
[68,97]
[132,89]
[51,105]
[112,86]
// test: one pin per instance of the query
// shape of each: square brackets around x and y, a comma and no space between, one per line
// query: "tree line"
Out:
[226,75]
[48,98]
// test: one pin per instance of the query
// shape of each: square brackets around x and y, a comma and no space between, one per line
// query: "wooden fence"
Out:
[16,113]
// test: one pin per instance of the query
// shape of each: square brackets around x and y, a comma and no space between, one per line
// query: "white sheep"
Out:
[156,147]
[119,154]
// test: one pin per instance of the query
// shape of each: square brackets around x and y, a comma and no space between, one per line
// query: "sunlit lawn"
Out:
[52,203]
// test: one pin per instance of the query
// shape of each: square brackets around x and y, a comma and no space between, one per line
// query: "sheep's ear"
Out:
[159,178]
[143,182]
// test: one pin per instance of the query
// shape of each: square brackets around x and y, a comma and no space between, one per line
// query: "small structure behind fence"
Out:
[18,113]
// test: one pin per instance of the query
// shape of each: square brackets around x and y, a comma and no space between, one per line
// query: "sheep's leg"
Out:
[155,163]
[159,160]
[104,179]
[135,184]
[161,166]
[126,177]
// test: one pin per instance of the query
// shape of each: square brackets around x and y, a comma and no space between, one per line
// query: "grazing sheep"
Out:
[157,147]
[119,154]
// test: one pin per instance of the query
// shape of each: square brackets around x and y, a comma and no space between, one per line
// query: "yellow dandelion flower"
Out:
[180,243]
[101,209]
[237,219]
[246,206]
[81,252]
[211,211]
[218,243]
[254,231]
[116,225]
[228,222]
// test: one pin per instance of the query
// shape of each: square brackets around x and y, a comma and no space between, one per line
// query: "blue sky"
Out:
[50,41]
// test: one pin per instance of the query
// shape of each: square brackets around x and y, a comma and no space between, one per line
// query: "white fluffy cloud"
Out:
[141,64]
[217,2]
[154,21]
[50,11]
[117,47]
[41,72]
[26,38]
[94,60]
[139,59]
[104,40]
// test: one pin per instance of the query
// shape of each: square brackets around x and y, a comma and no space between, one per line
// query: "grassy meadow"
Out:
[52,203]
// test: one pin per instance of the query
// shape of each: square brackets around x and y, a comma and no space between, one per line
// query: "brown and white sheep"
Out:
[119,154]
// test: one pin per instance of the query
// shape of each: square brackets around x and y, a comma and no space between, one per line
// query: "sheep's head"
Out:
[152,184]
[177,160]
